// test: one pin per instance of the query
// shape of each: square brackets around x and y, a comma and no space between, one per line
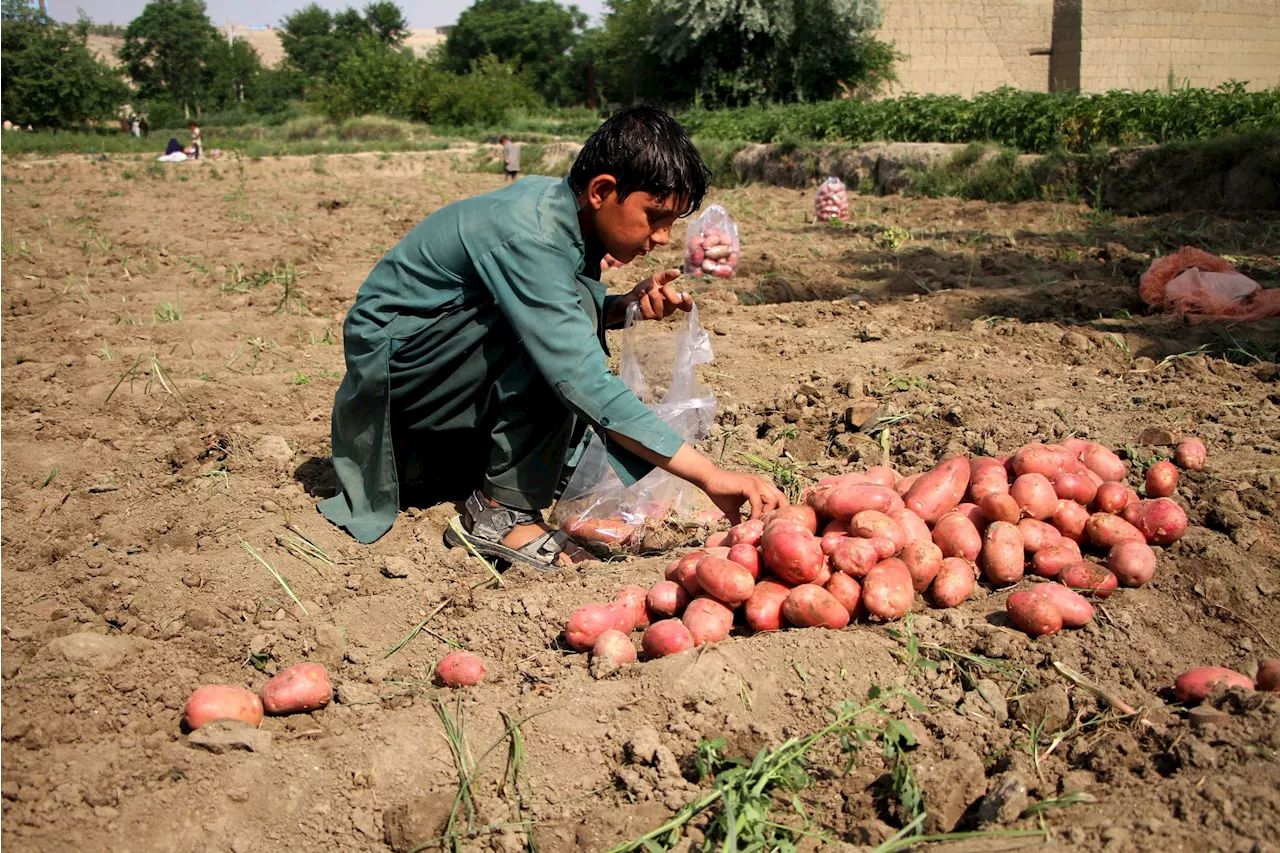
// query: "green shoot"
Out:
[279,577]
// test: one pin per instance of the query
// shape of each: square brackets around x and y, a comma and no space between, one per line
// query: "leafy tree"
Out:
[316,41]
[50,79]
[372,79]
[231,72]
[483,96]
[24,11]
[533,36]
[166,49]
[387,22]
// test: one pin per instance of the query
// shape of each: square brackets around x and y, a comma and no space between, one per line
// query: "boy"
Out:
[197,147]
[475,350]
[510,158]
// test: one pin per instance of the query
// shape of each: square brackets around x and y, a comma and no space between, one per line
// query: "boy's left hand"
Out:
[658,299]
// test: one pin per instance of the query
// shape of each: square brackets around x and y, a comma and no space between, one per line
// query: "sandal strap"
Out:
[494,522]
[546,547]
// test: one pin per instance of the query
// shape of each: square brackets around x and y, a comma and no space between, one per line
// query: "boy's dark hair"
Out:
[504,138]
[647,151]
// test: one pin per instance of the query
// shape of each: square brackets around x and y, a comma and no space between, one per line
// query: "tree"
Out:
[533,36]
[387,22]
[50,79]
[372,79]
[23,11]
[166,49]
[231,72]
[316,41]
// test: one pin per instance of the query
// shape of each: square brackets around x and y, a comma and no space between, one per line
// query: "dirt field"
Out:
[171,345]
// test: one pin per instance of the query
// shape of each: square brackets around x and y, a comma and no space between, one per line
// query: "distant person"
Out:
[196,145]
[134,129]
[510,158]
[143,126]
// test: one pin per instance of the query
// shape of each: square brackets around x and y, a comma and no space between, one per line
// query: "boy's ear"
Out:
[599,189]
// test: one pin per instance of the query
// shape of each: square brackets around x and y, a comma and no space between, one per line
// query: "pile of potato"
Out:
[861,545]
[713,247]
[831,202]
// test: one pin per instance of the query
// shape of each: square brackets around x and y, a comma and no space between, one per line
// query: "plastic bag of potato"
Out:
[831,202]
[713,247]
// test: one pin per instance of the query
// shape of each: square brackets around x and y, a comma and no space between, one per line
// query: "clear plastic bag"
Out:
[660,364]
[712,247]
[831,201]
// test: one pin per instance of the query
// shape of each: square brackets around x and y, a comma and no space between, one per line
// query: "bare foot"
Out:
[523,534]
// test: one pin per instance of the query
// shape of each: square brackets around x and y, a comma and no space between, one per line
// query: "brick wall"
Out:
[968,46]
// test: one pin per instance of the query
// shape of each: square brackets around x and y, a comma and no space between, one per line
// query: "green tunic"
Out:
[481,332]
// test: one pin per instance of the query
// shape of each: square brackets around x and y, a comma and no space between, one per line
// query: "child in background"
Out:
[196,145]
[510,158]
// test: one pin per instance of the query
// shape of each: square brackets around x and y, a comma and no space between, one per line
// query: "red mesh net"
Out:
[1201,287]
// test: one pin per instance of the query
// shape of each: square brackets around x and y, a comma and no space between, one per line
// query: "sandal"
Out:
[483,527]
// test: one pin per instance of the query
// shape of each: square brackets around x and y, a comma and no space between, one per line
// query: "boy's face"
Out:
[634,227]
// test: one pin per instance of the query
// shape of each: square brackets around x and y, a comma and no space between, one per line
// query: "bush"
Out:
[307,127]
[485,96]
[369,128]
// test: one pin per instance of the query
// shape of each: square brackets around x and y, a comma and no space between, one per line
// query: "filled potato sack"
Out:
[297,689]
[222,702]
[831,201]
[460,669]
[712,244]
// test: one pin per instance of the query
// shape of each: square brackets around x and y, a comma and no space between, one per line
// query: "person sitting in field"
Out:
[476,356]
[173,152]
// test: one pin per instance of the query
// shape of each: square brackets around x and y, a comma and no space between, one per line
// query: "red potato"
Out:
[297,689]
[1049,562]
[938,491]
[956,536]
[836,525]
[884,533]
[1034,612]
[614,646]
[923,560]
[911,524]
[606,530]
[1035,496]
[460,669]
[1038,535]
[816,495]
[1074,446]
[633,598]
[690,559]
[586,624]
[974,513]
[792,553]
[687,576]
[764,607]
[1075,487]
[746,533]
[855,557]
[1075,609]
[846,590]
[666,599]
[848,501]
[904,485]
[1111,497]
[724,580]
[1071,463]
[666,637]
[1161,480]
[716,540]
[831,540]
[1038,459]
[1002,557]
[1196,684]
[987,476]
[1190,454]
[1070,519]
[1268,675]
[670,572]
[883,475]
[1071,545]
[747,556]
[708,620]
[222,702]
[1106,530]
[1101,461]
[1000,506]
[801,514]
[1088,579]
[1133,563]
[824,574]
[954,583]
[1161,521]
[887,590]
[811,606]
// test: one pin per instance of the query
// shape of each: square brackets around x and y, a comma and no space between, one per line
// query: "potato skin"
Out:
[708,620]
[725,580]
[811,606]
[633,598]
[1034,613]
[1075,487]
[923,560]
[904,485]
[1106,530]
[1070,518]
[1103,462]
[764,607]
[1132,562]
[1161,480]
[1161,521]
[615,646]
[586,624]
[666,600]
[666,637]
[297,689]
[460,669]
[791,552]
[882,475]
[801,514]
[884,533]
[1037,459]
[1075,609]
[1089,579]
[854,557]
[1000,506]
[987,476]
[939,490]
[746,533]
[222,702]
[747,556]
[1035,496]
[1268,675]
[716,540]
[846,590]
[1190,454]
[956,536]
[1002,555]
[847,501]
[1111,497]
[1038,535]
[1194,685]
[887,590]
[954,583]
[911,524]
[1049,562]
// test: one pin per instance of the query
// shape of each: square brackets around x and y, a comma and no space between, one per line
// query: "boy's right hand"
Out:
[729,490]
